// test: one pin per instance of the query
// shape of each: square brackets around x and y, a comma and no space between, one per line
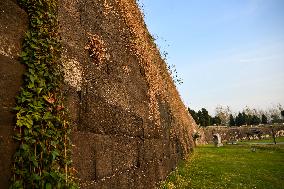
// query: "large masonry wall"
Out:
[130,125]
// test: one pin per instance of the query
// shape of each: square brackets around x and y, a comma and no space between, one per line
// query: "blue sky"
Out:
[228,52]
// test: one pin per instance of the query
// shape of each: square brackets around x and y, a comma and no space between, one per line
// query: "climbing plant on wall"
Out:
[43,157]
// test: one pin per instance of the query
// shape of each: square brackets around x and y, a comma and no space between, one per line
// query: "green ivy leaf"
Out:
[25,147]
[24,121]
[48,186]
[54,175]
[54,143]
[47,116]
[54,154]
[17,108]
[38,90]
[28,34]
[17,184]
[36,177]
[36,116]
[31,85]
[39,122]
[17,137]
[35,163]
[23,54]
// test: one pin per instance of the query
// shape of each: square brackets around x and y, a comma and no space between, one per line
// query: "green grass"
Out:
[269,140]
[230,166]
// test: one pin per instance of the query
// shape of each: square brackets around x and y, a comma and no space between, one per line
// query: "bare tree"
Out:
[273,133]
[223,112]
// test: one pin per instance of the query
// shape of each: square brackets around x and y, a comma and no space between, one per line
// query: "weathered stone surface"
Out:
[13,24]
[130,127]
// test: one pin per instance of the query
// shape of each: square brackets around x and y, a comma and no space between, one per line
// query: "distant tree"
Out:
[276,119]
[282,114]
[216,120]
[193,115]
[237,120]
[232,120]
[264,119]
[206,117]
[200,118]
[255,120]
[273,134]
[245,119]
[247,115]
[240,119]
[223,112]
[275,114]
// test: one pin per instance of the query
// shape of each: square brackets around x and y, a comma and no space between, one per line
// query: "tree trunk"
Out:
[273,134]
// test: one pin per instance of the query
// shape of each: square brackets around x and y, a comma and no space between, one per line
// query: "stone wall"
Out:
[130,126]
[229,134]
[13,24]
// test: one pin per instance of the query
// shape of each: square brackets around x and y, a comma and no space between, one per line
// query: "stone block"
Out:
[101,117]
[83,155]
[103,156]
[124,153]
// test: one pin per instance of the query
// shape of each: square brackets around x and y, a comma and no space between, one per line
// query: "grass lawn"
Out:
[270,140]
[231,166]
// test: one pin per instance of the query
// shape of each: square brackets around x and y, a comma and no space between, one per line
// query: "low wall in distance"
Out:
[229,134]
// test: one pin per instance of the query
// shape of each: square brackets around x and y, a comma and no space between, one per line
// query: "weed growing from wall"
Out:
[172,70]
[43,157]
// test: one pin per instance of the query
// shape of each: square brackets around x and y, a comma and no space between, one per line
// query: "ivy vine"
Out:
[42,130]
